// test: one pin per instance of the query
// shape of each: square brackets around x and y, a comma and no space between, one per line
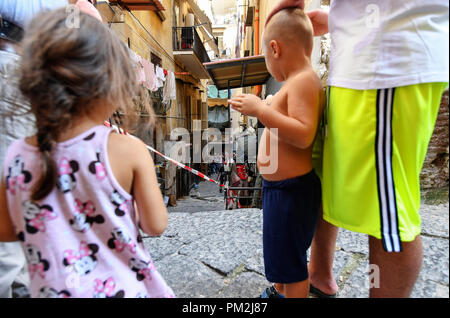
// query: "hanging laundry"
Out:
[170,90]
[133,56]
[212,91]
[88,8]
[223,94]
[138,67]
[150,76]
[140,71]
[160,78]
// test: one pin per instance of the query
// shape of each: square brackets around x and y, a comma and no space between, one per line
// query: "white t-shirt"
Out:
[21,12]
[160,78]
[388,43]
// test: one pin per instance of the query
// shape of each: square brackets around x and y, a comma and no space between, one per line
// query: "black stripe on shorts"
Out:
[390,233]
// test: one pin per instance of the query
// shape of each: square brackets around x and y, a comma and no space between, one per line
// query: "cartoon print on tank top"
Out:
[21,236]
[48,292]
[120,202]
[83,260]
[90,137]
[66,175]
[35,216]
[105,289]
[36,264]
[73,243]
[17,175]
[96,167]
[120,240]
[143,269]
[84,216]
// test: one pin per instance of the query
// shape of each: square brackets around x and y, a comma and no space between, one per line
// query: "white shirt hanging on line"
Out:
[150,77]
[170,89]
[160,78]
[138,67]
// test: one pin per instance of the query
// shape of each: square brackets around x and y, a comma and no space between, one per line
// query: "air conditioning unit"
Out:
[190,20]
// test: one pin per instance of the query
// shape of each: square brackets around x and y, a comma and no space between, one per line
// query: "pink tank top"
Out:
[82,240]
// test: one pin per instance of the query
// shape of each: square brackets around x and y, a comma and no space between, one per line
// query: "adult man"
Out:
[14,121]
[388,69]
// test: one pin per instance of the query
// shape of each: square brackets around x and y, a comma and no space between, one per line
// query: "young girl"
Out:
[68,192]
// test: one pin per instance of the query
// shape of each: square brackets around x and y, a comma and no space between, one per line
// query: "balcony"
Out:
[142,5]
[153,5]
[190,51]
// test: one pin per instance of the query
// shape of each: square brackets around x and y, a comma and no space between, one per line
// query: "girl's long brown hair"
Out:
[64,71]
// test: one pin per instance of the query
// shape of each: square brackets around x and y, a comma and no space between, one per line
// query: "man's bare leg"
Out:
[398,271]
[320,266]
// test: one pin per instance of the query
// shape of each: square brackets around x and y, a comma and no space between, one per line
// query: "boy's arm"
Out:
[6,227]
[299,127]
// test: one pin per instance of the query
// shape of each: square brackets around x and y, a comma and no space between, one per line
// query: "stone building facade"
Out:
[435,169]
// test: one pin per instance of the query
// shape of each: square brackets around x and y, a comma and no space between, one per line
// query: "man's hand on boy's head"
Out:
[319,20]
[247,104]
[285,4]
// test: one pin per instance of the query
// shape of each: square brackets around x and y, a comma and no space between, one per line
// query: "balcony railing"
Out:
[187,39]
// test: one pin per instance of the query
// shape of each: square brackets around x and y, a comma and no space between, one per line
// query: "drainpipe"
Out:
[259,87]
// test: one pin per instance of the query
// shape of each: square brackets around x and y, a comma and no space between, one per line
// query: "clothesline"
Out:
[151,36]
[163,50]
[149,77]
[154,77]
[158,116]
[147,43]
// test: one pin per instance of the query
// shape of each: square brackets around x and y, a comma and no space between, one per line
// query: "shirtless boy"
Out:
[292,193]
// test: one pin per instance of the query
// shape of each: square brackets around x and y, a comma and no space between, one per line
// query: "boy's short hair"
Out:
[290,25]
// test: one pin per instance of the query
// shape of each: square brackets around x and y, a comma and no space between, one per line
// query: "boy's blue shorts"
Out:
[290,212]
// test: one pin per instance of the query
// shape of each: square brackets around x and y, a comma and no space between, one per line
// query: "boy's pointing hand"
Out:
[247,104]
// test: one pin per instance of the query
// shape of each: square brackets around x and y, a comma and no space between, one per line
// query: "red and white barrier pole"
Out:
[179,164]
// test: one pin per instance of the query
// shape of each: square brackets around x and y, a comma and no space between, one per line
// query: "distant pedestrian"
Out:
[215,164]
[68,193]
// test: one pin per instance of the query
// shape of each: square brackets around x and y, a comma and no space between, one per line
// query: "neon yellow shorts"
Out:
[317,155]
[374,148]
